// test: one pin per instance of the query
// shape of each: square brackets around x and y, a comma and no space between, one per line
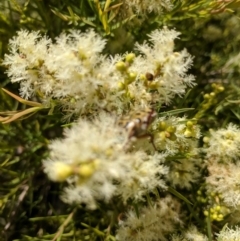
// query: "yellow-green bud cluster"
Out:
[123,68]
[128,76]
[200,197]
[86,170]
[190,130]
[206,139]
[209,99]
[217,88]
[216,211]
[165,131]
[83,171]
[149,79]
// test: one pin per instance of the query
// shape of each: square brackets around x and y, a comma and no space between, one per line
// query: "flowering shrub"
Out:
[146,171]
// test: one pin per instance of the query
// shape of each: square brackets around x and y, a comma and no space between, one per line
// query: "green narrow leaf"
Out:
[23,101]
[209,228]
[179,195]
[136,209]
[95,230]
[175,112]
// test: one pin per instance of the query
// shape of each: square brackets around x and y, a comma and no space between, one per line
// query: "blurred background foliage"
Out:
[30,207]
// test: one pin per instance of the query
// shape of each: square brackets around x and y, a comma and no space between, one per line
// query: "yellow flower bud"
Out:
[121,66]
[62,171]
[214,85]
[142,77]
[219,217]
[153,85]
[218,208]
[206,139]
[189,124]
[86,170]
[212,94]
[187,133]
[162,136]
[121,86]
[131,77]
[206,213]
[173,137]
[130,57]
[221,89]
[171,129]
[214,216]
[162,125]
[206,96]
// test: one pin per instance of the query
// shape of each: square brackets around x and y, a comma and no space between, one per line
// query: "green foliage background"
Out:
[30,208]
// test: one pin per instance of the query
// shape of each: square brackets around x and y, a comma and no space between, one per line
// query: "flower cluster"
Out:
[224,144]
[176,135]
[147,172]
[165,70]
[92,158]
[72,71]
[225,180]
[179,137]
[191,234]
[142,7]
[98,159]
[184,172]
[222,154]
[229,234]
[153,223]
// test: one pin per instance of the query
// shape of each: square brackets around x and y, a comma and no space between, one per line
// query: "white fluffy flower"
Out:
[174,135]
[93,153]
[184,172]
[74,74]
[192,234]
[229,234]
[93,159]
[28,52]
[147,173]
[153,223]
[147,6]
[169,68]
[225,179]
[66,71]
[224,144]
